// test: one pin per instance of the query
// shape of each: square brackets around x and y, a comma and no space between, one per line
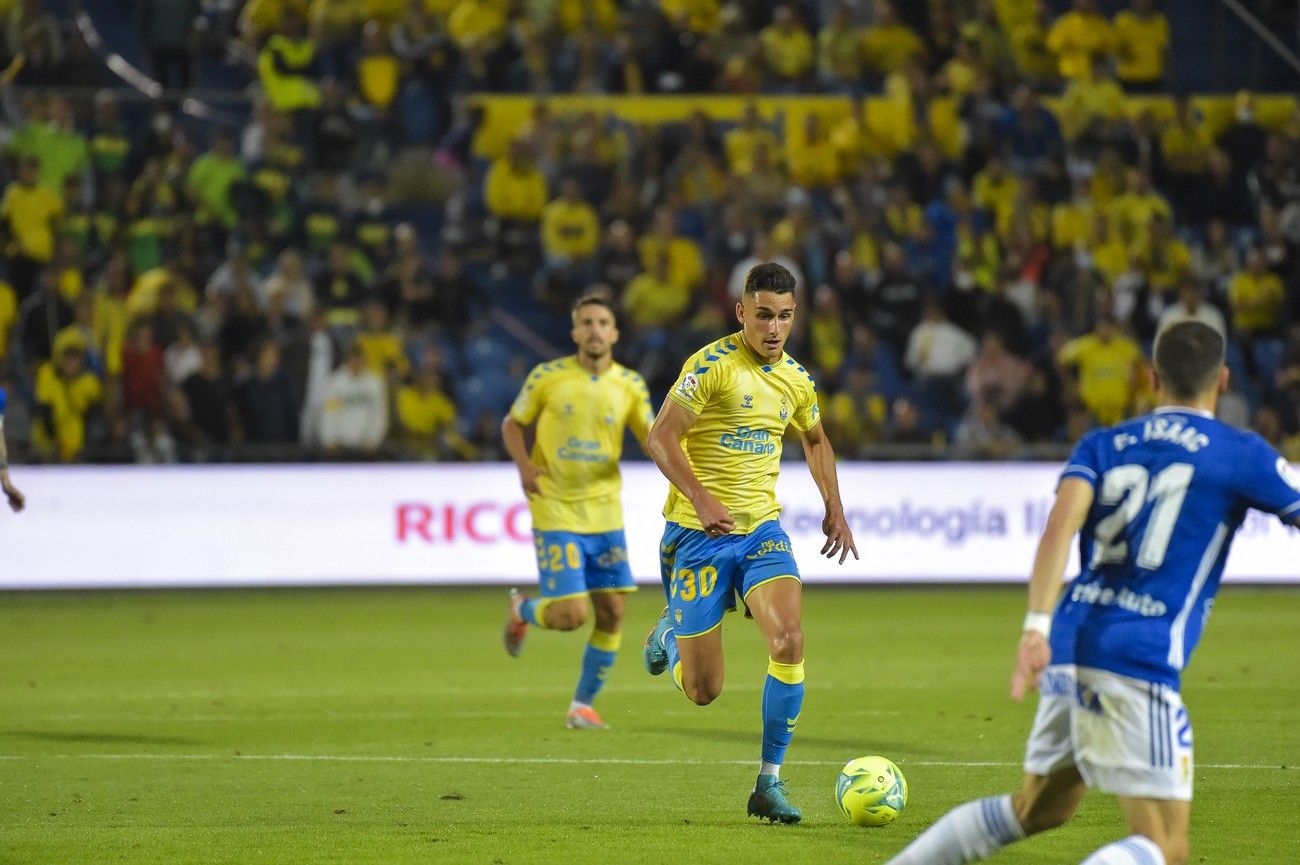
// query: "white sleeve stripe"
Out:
[1281,513]
[1075,467]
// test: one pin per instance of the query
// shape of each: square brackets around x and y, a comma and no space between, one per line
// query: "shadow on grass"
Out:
[98,738]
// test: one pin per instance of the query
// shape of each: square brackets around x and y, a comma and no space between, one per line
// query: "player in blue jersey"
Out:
[1156,502]
[15,498]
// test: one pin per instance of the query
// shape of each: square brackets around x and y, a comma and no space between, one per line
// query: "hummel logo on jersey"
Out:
[747,401]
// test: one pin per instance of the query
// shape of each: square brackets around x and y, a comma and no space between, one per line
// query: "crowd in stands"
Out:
[987,232]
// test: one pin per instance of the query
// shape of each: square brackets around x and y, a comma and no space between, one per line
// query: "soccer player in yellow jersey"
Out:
[579,407]
[718,441]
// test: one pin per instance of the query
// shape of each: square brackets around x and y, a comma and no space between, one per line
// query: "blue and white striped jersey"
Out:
[1170,490]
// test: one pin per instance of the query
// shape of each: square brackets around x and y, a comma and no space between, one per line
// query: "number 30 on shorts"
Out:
[688,585]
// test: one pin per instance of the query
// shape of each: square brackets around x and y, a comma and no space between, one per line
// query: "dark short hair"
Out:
[769,277]
[1188,357]
[593,300]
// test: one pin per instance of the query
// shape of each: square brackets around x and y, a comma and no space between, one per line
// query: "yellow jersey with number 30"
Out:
[743,405]
[580,420]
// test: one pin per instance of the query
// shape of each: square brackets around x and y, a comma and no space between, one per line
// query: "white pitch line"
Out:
[551,761]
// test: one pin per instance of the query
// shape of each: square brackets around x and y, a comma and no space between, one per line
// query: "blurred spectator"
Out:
[66,393]
[1038,414]
[617,259]
[1192,306]
[380,346]
[888,45]
[839,51]
[764,253]
[182,357]
[211,182]
[1256,295]
[982,435]
[787,49]
[267,412]
[1107,363]
[570,236]
[996,376]
[1142,46]
[339,290]
[654,300]
[355,418]
[855,416]
[904,427]
[938,353]
[515,193]
[209,416]
[685,263]
[286,65]
[426,415]
[1028,133]
[32,212]
[165,28]
[1078,37]
[289,281]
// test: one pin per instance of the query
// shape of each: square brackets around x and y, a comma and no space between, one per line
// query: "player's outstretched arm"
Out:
[512,436]
[1073,499]
[664,445]
[821,463]
[15,498]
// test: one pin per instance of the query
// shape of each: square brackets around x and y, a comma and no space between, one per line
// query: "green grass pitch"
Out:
[388,726]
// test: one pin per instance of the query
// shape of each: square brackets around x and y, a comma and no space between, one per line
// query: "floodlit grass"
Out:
[388,726]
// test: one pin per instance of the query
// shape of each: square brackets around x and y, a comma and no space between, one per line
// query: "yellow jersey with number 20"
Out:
[580,420]
[743,405]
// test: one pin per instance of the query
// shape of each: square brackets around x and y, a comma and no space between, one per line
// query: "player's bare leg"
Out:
[561,614]
[978,829]
[698,668]
[597,657]
[1159,834]
[1048,801]
[777,607]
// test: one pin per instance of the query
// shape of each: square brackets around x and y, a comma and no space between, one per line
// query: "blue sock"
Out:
[782,702]
[597,658]
[531,611]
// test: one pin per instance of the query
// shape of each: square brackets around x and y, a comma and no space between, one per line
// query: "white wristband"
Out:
[1040,622]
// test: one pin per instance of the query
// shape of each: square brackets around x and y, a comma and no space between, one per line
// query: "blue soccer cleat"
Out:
[768,801]
[653,654]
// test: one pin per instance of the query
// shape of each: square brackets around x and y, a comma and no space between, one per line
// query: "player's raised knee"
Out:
[566,617]
[786,644]
[702,691]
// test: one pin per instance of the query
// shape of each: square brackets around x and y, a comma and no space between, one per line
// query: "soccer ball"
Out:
[871,791]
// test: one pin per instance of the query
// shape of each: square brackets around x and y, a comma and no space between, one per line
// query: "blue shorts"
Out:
[703,575]
[571,564]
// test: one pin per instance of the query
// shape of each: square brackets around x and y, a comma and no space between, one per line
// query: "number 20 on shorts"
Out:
[687,585]
[555,557]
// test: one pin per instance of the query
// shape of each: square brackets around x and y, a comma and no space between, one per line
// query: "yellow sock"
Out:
[606,641]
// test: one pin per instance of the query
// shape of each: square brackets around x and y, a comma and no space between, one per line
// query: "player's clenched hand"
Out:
[528,475]
[839,537]
[1032,656]
[714,516]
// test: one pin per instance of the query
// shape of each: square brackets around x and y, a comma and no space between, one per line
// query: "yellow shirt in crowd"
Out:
[1107,374]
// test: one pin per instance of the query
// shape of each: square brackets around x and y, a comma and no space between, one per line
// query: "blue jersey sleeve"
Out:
[1085,462]
[1269,483]
[4,399]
